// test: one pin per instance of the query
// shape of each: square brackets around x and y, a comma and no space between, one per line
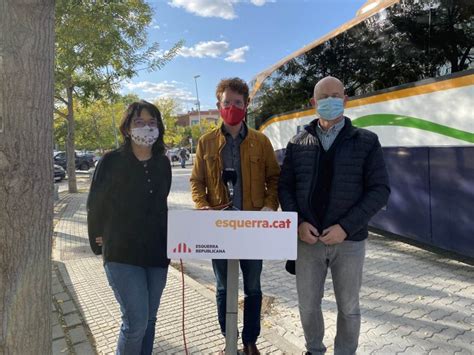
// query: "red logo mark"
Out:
[182,248]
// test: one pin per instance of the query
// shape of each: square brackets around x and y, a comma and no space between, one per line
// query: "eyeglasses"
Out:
[140,122]
[236,103]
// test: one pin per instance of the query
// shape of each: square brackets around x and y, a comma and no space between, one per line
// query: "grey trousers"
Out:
[346,261]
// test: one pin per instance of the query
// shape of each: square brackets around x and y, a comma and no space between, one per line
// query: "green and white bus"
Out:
[408,68]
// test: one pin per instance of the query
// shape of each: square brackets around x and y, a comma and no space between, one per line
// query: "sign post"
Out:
[232,235]
[232,306]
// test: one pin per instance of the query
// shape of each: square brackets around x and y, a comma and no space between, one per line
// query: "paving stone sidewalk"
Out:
[70,332]
[413,301]
[98,310]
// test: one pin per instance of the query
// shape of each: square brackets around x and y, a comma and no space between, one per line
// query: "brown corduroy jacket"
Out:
[260,172]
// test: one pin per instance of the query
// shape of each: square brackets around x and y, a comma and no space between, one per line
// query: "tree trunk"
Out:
[70,143]
[26,174]
[97,134]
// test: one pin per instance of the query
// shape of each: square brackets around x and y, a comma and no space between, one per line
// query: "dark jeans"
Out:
[138,291]
[251,271]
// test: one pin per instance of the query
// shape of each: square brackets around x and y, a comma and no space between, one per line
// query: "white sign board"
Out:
[232,235]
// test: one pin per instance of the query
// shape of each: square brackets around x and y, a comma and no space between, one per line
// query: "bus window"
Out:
[407,42]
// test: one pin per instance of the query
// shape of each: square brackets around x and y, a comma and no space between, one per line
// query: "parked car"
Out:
[173,154]
[59,173]
[83,161]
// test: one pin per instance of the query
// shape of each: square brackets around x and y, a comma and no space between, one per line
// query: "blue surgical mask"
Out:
[331,108]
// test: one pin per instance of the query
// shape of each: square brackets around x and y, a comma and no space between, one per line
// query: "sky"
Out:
[228,38]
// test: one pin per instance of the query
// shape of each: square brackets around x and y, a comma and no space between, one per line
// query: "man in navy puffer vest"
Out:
[334,176]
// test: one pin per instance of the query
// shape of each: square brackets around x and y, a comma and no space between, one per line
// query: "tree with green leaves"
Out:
[97,124]
[174,135]
[99,44]
[196,131]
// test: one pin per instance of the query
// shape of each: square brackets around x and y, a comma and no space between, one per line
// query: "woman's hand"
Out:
[98,241]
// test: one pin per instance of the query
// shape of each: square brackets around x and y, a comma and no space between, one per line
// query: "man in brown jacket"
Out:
[250,154]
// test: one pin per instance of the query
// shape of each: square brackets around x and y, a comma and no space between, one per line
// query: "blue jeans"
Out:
[251,271]
[346,262]
[138,290]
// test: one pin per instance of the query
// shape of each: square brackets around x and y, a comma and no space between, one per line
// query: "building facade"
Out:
[192,117]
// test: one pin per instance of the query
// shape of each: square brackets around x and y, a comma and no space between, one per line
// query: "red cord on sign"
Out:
[184,332]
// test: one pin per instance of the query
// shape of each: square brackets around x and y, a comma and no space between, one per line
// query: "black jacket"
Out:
[359,186]
[127,206]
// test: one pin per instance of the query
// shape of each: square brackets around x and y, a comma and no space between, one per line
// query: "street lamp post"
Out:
[198,103]
[112,101]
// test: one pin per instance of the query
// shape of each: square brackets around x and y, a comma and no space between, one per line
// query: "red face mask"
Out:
[232,115]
